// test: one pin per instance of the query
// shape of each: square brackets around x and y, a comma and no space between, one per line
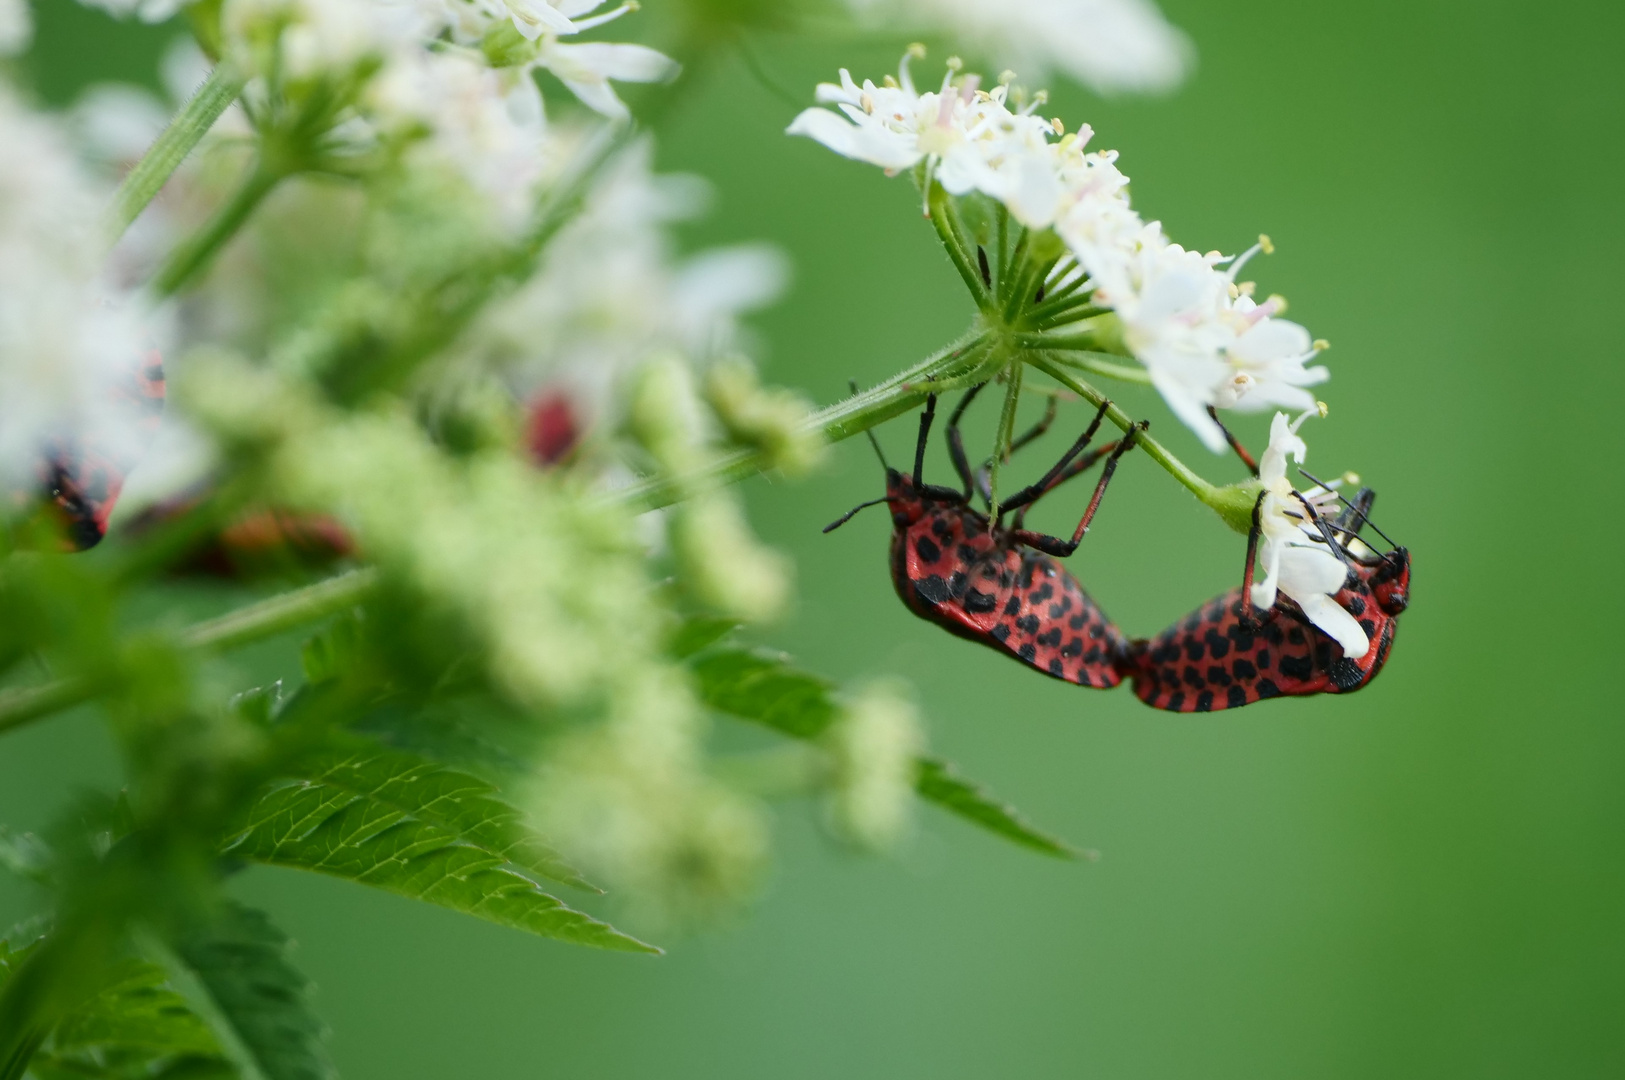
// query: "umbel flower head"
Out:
[1293,556]
[1109,45]
[1203,339]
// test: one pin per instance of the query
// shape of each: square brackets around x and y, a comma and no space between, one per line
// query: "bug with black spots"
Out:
[1000,585]
[81,478]
[1227,654]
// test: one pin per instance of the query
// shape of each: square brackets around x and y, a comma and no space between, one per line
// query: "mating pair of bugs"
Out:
[999,585]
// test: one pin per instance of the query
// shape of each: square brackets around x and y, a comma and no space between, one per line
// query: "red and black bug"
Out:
[1227,654]
[999,585]
[81,478]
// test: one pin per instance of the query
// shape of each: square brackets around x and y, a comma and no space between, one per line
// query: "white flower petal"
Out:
[598,96]
[849,141]
[624,63]
[1190,408]
[1270,340]
[1337,624]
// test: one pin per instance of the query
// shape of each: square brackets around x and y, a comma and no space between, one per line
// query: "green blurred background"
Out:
[1426,879]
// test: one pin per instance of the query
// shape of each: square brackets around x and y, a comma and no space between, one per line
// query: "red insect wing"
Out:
[83,477]
[950,569]
[1210,660]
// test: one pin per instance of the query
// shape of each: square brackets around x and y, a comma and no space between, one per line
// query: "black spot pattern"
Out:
[933,590]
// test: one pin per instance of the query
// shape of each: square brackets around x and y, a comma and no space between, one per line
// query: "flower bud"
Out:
[773,422]
[665,414]
[724,565]
[876,745]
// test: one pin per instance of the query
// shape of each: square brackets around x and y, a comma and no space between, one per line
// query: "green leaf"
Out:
[135,1025]
[756,685]
[698,633]
[138,1010]
[763,687]
[240,958]
[26,855]
[939,782]
[421,831]
[463,805]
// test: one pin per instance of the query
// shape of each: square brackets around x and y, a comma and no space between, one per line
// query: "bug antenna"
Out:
[1355,510]
[874,442]
[852,513]
[879,453]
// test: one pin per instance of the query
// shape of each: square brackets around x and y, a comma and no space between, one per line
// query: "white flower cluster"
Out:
[587,69]
[1199,333]
[611,292]
[1110,45]
[486,126]
[68,338]
[1292,555]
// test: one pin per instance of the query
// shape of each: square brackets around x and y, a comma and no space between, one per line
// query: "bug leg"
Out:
[1031,492]
[1235,443]
[926,417]
[1036,431]
[956,441]
[1054,545]
[1248,622]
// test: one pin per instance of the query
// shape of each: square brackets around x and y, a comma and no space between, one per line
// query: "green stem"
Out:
[1153,449]
[1006,433]
[1103,364]
[943,221]
[1084,342]
[276,614]
[196,253]
[1061,310]
[244,626]
[178,140]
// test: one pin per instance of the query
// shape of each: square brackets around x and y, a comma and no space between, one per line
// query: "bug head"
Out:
[1391,583]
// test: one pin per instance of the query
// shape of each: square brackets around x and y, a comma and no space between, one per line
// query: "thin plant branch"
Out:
[142,184]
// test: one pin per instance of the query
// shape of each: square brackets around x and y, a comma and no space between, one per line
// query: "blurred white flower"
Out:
[16,27]
[314,38]
[1291,554]
[1110,45]
[115,123]
[68,339]
[630,803]
[611,292]
[876,745]
[151,11]
[589,68]
[485,125]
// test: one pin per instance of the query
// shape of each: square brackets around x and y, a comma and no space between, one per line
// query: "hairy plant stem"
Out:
[895,396]
[177,141]
[1099,363]
[260,620]
[945,219]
